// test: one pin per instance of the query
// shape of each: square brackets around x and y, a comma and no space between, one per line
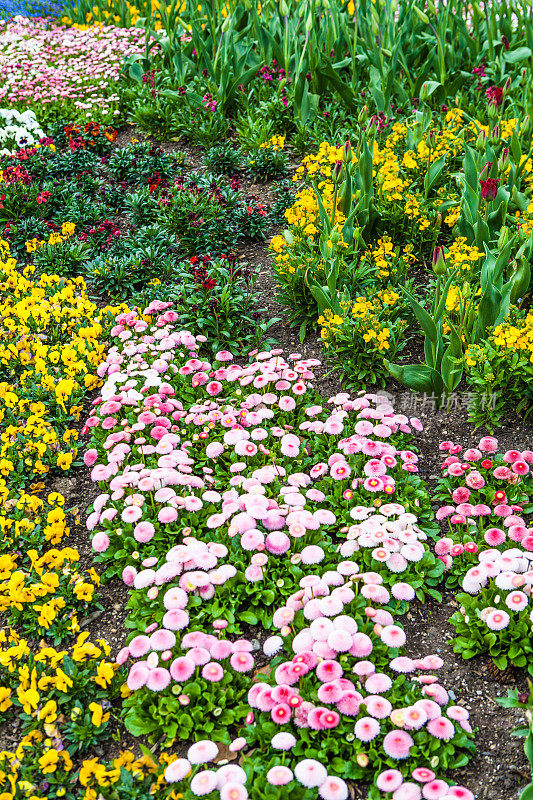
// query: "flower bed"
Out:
[254,553]
[61,68]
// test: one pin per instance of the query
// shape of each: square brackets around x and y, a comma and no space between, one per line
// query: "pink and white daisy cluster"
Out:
[391,537]
[423,786]
[233,481]
[229,781]
[202,654]
[345,672]
[42,64]
[487,491]
[489,549]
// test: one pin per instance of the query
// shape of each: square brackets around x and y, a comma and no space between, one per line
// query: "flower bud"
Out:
[362,759]
[424,92]
[347,153]
[481,140]
[421,16]
[507,85]
[363,115]
[504,159]
[334,235]
[439,261]
[337,169]
[371,128]
[485,172]
[495,135]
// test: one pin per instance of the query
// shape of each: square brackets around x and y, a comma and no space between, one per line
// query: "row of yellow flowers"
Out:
[58,683]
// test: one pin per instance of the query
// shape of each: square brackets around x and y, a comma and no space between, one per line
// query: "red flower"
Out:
[494,95]
[489,188]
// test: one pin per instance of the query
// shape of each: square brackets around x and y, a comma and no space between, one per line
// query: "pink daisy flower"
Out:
[281,713]
[435,789]
[333,789]
[310,772]
[441,727]
[283,741]
[182,668]
[397,744]
[389,780]
[423,774]
[393,636]
[377,683]
[377,706]
[407,791]
[279,776]
[497,620]
[460,792]
[203,751]
[366,729]
[233,791]
[403,591]
[177,770]
[516,601]
[212,672]
[204,782]
[242,661]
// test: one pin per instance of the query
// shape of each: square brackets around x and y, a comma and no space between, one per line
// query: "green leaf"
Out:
[138,723]
[488,309]
[433,174]
[527,794]
[135,71]
[515,56]
[431,86]
[452,363]
[247,616]
[418,377]
[425,320]
[528,748]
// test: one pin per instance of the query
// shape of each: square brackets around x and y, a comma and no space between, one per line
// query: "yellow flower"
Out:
[5,698]
[28,698]
[48,761]
[92,772]
[104,674]
[98,717]
[84,591]
[64,460]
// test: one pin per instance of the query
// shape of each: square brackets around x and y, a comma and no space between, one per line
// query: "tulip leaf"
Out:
[418,377]
[515,56]
[433,174]
[424,319]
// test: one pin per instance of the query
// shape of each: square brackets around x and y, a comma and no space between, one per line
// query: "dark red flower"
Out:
[489,188]
[494,95]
